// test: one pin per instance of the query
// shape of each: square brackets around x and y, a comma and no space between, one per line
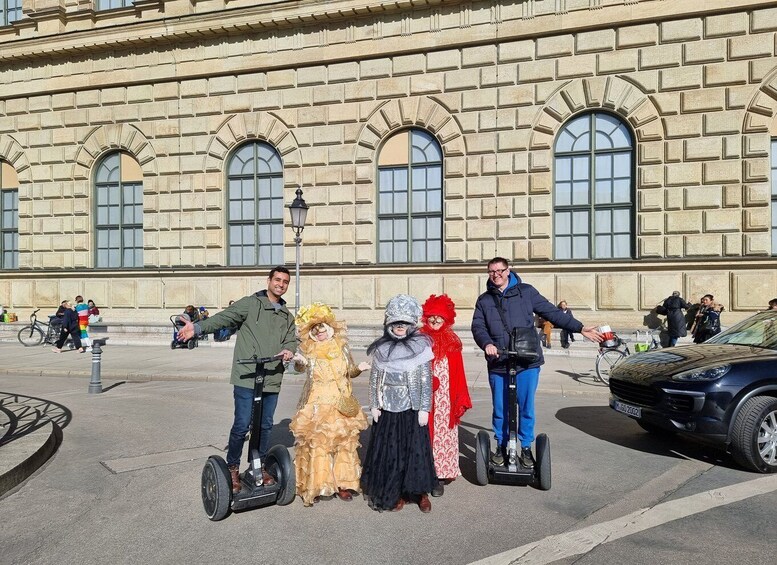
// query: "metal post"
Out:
[297,241]
[95,385]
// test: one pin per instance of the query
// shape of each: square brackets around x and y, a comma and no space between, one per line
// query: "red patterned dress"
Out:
[450,398]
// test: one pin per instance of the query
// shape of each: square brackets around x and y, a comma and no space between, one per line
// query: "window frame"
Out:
[592,207]
[121,226]
[98,5]
[5,11]
[13,229]
[410,215]
[257,221]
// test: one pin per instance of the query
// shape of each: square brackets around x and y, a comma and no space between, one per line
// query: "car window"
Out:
[757,331]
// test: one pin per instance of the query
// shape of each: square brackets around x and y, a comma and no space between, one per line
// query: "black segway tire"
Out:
[216,488]
[482,454]
[172,344]
[191,344]
[542,465]
[279,465]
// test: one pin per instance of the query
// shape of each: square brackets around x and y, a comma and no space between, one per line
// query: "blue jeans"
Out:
[526,387]
[672,342]
[244,400]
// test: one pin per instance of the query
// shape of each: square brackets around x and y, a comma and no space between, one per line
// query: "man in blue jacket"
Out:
[518,302]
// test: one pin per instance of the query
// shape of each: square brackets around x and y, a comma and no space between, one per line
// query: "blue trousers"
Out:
[244,399]
[526,387]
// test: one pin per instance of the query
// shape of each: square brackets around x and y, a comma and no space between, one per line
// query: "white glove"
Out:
[423,418]
[375,414]
[364,366]
[299,359]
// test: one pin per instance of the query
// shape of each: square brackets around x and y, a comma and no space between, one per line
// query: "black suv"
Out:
[722,391]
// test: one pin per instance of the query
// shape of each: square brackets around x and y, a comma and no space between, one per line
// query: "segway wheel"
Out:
[482,454]
[216,488]
[543,462]
[279,465]
[191,344]
[172,344]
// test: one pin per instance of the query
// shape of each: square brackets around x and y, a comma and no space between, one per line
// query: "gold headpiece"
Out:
[314,313]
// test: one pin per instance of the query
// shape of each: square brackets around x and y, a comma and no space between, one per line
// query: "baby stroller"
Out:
[176,343]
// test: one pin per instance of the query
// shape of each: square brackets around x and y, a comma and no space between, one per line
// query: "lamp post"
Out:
[299,213]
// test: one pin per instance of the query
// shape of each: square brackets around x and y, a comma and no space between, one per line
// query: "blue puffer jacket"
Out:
[519,302]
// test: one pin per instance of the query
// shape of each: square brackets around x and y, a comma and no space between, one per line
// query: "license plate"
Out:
[628,409]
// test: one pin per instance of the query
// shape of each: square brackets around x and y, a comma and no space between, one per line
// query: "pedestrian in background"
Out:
[83,322]
[94,312]
[70,329]
[545,330]
[773,304]
[672,308]
[566,335]
[707,323]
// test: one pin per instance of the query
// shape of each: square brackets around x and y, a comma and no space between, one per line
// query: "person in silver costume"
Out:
[399,467]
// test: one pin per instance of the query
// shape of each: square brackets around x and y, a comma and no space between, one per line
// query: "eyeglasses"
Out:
[400,325]
[435,319]
[496,272]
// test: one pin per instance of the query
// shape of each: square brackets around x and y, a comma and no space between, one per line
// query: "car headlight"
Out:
[703,374]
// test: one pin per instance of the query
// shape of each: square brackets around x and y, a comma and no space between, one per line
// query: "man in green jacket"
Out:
[265,328]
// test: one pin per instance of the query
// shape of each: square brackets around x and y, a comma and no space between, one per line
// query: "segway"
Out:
[512,472]
[217,497]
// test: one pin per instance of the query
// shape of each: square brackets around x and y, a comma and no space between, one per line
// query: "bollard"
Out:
[95,385]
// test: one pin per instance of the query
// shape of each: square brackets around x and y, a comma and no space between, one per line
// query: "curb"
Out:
[22,471]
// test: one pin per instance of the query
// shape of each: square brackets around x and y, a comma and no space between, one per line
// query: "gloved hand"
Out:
[299,359]
[375,414]
[423,418]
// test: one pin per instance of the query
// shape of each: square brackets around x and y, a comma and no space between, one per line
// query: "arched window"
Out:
[255,193]
[9,217]
[593,189]
[119,206]
[410,199]
[10,11]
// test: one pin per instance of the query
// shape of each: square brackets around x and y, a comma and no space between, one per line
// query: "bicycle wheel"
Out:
[30,336]
[606,360]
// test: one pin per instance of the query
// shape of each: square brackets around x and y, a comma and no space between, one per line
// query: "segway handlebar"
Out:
[254,360]
[507,352]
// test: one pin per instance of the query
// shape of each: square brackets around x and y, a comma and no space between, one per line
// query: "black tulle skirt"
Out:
[399,460]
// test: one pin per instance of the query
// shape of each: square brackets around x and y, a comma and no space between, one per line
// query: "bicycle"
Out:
[38,332]
[609,357]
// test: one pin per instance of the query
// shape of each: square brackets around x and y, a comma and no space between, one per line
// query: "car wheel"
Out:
[655,430]
[754,435]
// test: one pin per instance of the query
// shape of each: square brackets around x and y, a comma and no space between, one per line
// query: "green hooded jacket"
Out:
[262,331]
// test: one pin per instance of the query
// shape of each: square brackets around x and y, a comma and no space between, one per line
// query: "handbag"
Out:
[347,404]
[523,341]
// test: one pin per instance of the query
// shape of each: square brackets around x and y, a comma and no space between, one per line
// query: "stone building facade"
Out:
[132,135]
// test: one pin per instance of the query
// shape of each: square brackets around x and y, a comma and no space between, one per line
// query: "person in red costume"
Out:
[450,397]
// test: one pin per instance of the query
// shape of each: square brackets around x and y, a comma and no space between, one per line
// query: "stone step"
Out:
[29,439]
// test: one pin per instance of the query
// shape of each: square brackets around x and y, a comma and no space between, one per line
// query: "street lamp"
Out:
[299,213]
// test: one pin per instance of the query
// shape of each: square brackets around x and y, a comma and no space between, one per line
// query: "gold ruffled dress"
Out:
[326,455]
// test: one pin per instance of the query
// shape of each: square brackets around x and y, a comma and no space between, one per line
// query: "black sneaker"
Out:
[439,489]
[497,457]
[526,459]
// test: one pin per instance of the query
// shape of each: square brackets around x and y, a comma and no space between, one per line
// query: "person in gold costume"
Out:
[326,461]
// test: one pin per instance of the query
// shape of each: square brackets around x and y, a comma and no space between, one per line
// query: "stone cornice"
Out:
[549,267]
[286,14]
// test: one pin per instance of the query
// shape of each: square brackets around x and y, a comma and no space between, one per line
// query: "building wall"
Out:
[179,85]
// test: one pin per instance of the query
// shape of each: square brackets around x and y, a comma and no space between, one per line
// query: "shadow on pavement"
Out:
[603,423]
[587,379]
[30,414]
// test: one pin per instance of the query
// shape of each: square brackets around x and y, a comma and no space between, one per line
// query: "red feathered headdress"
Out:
[441,306]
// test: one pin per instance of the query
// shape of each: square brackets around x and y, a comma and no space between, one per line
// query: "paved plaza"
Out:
[124,484]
